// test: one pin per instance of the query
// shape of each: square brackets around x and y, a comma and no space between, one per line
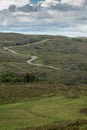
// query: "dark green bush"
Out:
[11,77]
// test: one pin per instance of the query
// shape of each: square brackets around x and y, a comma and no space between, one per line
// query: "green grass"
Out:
[26,92]
[41,112]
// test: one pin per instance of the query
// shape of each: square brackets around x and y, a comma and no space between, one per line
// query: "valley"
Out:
[43,82]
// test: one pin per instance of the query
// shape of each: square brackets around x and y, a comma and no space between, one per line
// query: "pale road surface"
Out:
[32,59]
[7,49]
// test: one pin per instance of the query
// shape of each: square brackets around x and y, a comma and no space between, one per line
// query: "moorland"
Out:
[43,82]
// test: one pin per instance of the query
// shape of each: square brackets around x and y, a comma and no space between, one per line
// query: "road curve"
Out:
[30,61]
[41,65]
[7,49]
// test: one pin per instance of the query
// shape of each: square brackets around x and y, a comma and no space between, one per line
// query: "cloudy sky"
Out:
[57,17]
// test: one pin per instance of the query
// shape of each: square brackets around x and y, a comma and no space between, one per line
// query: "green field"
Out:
[41,112]
[56,98]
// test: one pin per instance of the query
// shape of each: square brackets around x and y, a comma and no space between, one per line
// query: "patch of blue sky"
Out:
[35,1]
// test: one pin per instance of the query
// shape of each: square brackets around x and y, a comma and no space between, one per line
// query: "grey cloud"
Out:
[65,7]
[12,8]
[37,7]
[26,8]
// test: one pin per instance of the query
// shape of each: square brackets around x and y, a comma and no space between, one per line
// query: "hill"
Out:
[67,54]
[43,82]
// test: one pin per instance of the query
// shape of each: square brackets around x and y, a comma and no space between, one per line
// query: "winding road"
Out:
[7,49]
[30,61]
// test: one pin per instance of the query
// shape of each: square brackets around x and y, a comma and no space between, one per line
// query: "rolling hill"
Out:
[43,82]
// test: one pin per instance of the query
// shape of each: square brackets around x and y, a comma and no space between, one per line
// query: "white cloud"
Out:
[48,3]
[47,15]
[73,2]
[4,4]
[82,28]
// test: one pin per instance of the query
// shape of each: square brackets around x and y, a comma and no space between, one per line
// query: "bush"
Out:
[11,77]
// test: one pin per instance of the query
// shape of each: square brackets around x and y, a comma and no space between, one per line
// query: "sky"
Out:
[54,17]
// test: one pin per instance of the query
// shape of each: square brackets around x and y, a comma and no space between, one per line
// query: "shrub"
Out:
[11,77]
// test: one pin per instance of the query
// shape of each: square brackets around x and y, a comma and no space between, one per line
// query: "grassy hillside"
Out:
[20,39]
[67,54]
[26,115]
[56,98]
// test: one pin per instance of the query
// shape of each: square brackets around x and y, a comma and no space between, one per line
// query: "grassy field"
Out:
[57,101]
[43,107]
[41,112]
